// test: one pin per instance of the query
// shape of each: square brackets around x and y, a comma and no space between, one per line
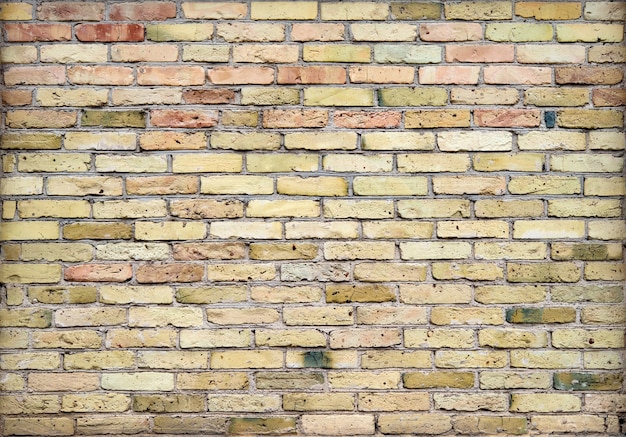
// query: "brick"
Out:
[589,118]
[241,75]
[262,53]
[73,53]
[192,425]
[197,251]
[402,423]
[367,380]
[114,294]
[317,32]
[587,164]
[257,230]
[551,141]
[336,53]
[143,53]
[60,295]
[354,11]
[466,75]
[413,96]
[147,11]
[310,271]
[397,54]
[290,338]
[490,425]
[429,162]
[213,339]
[129,164]
[517,75]
[282,10]
[18,54]
[218,96]
[24,32]
[178,32]
[606,141]
[243,316]
[608,97]
[479,53]
[120,338]
[284,294]
[580,32]
[476,10]
[100,75]
[163,140]
[543,272]
[471,402]
[415,11]
[97,231]
[113,118]
[42,425]
[509,380]
[150,231]
[162,185]
[604,54]
[270,96]
[550,54]
[507,117]
[518,32]
[372,74]
[548,11]
[77,339]
[311,75]
[42,141]
[544,185]
[544,403]
[76,381]
[383,32]
[95,424]
[110,32]
[611,186]
[450,32]
[16,97]
[54,75]
[69,11]
[98,272]
[245,32]
[530,162]
[433,208]
[468,185]
[40,118]
[580,423]
[255,359]
[16,11]
[195,209]
[588,75]
[202,53]
[214,10]
[143,96]
[193,75]
[474,359]
[53,208]
[604,11]
[556,97]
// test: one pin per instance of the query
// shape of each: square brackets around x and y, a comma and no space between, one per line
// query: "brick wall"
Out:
[313,218]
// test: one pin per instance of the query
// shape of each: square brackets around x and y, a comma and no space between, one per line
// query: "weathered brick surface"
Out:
[312,217]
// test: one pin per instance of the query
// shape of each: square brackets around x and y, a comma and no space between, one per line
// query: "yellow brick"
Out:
[113,294]
[390,186]
[512,338]
[552,141]
[53,208]
[179,32]
[508,208]
[290,338]
[244,403]
[354,11]
[476,10]
[589,32]
[473,359]
[18,54]
[468,185]
[326,230]
[57,252]
[511,380]
[358,209]
[236,185]
[40,425]
[257,359]
[288,162]
[99,141]
[611,186]
[473,229]
[321,141]
[403,423]
[30,141]
[82,186]
[437,118]
[395,358]
[169,230]
[562,96]
[234,272]
[271,95]
[438,338]
[584,208]
[528,162]
[152,96]
[581,163]
[129,209]
[40,118]
[358,250]
[11,382]
[74,53]
[364,380]
[548,10]
[589,118]
[545,403]
[282,10]
[607,230]
[383,32]
[283,208]
[383,272]
[329,96]
[282,294]
[71,97]
[340,359]
[172,359]
[318,402]
[548,229]
[518,32]
[16,11]
[510,250]
[313,186]
[361,164]
[435,293]
[328,316]
[544,185]
[435,250]
[21,185]
[398,141]
[252,230]
[30,230]
[484,96]
[470,271]
[475,141]
[466,316]
[207,163]
[607,141]
[433,208]
[54,162]
[550,54]
[399,229]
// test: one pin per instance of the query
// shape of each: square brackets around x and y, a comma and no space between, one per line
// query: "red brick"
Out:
[209,97]
[241,75]
[16,97]
[507,117]
[38,32]
[99,273]
[311,75]
[71,11]
[53,75]
[278,118]
[480,53]
[609,97]
[100,75]
[110,32]
[166,273]
[183,118]
[589,75]
[147,11]
[367,119]
[517,75]
[193,75]
[451,32]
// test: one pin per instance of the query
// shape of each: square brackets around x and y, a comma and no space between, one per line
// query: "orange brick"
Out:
[507,117]
[480,53]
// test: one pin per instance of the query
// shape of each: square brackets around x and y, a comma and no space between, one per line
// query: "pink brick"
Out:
[517,75]
[449,75]
[147,11]
[38,32]
[110,32]
[100,75]
[99,273]
[368,119]
[53,75]
[480,53]
[507,117]
[311,75]
[209,97]
[451,32]
[183,118]
[241,75]
[317,32]
[71,11]
[192,75]
[279,118]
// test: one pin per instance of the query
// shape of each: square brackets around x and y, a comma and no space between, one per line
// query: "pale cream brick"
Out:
[435,250]
[322,230]
[439,338]
[74,53]
[374,209]
[474,141]
[398,141]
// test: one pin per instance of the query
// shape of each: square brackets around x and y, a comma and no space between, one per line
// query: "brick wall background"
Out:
[314,218]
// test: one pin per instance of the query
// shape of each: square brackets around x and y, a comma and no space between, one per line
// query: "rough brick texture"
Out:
[312,218]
